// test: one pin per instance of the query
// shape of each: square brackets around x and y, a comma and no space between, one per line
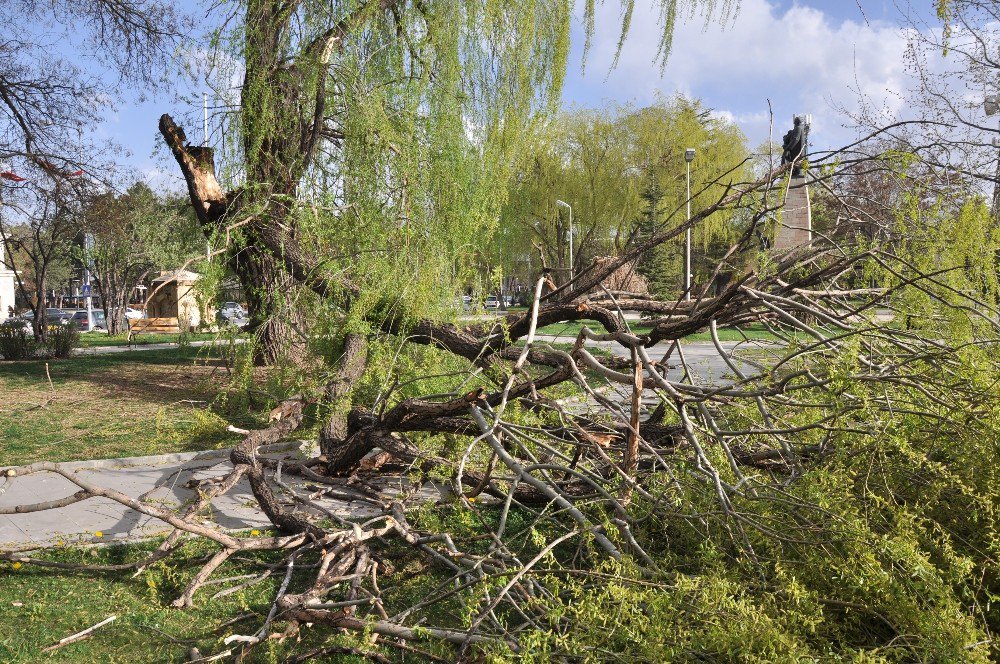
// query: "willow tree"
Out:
[607,164]
[399,120]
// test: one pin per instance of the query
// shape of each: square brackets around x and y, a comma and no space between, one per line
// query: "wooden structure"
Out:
[173,296]
[152,326]
[623,280]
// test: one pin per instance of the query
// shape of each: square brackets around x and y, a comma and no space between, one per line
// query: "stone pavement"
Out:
[111,350]
[701,356]
[159,480]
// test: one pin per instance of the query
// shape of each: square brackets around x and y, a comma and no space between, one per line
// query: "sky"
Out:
[802,56]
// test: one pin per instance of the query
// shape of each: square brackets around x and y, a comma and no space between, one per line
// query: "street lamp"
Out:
[688,157]
[568,207]
[992,106]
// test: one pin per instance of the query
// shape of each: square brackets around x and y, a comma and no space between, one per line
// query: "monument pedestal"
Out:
[795,227]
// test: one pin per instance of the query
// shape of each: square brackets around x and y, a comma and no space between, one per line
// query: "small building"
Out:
[173,295]
[7,282]
[625,279]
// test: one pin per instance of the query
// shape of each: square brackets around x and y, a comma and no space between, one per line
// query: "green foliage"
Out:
[16,343]
[62,340]
[885,550]
[623,172]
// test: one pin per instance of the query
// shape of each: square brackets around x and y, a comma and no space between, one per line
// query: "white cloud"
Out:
[801,59]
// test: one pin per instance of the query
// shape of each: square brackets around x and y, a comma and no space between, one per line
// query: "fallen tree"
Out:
[833,497]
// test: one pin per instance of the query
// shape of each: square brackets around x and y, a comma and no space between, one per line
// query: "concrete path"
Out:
[111,350]
[162,481]
[702,357]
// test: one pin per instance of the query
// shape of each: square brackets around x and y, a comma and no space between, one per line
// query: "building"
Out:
[7,282]
[175,297]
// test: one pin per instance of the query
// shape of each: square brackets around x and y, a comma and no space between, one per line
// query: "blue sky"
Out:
[805,56]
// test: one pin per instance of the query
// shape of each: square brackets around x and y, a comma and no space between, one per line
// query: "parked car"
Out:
[491,302]
[133,314]
[231,313]
[230,310]
[96,322]
[53,316]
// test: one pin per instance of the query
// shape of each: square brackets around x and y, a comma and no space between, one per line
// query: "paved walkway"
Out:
[702,357]
[163,481]
[111,350]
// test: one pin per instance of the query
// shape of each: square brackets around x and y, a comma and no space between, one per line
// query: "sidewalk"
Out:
[110,350]
[162,481]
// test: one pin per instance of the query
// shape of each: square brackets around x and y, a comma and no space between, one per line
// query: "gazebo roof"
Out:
[180,276]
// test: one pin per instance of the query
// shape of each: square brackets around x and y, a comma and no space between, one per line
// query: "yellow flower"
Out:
[16,565]
[98,534]
[255,532]
[60,543]
[472,500]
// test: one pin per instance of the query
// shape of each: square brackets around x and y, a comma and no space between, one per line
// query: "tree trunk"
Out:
[279,328]
[39,325]
[114,314]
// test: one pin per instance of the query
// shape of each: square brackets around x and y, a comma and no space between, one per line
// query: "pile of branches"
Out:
[607,486]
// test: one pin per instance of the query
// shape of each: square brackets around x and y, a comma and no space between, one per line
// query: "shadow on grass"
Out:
[122,374]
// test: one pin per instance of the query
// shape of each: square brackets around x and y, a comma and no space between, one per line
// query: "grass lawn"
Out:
[48,605]
[106,406]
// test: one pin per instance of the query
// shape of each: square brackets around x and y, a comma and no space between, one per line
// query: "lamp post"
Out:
[569,207]
[688,157]
[88,247]
[992,106]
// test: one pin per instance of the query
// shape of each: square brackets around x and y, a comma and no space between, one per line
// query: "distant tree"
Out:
[607,164]
[47,101]
[133,234]
[38,225]
[660,263]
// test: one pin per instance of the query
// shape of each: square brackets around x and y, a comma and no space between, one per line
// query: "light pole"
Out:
[88,247]
[992,106]
[688,157]
[569,207]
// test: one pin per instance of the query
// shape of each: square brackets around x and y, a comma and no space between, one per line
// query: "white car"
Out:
[133,314]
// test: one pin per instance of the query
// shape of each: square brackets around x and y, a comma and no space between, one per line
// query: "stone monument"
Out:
[795,223]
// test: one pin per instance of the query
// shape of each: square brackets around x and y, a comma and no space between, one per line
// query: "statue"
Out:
[793,146]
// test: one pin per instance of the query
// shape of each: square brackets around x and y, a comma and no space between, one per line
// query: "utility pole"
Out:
[88,246]
[204,126]
[568,207]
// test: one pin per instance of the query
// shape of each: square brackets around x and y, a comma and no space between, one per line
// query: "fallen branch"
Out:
[79,635]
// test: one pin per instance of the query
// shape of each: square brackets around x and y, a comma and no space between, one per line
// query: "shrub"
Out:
[62,340]
[16,343]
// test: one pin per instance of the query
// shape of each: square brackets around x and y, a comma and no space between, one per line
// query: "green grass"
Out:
[47,605]
[106,406]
